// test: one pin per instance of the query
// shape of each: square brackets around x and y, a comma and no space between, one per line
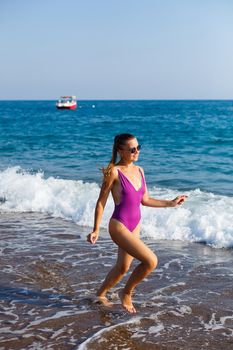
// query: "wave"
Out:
[204,217]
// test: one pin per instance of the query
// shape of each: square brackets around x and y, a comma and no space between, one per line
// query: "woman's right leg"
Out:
[116,273]
[136,248]
[122,265]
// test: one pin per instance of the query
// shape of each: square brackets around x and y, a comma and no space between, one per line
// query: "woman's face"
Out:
[129,151]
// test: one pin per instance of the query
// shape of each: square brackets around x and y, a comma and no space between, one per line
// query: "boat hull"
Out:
[65,107]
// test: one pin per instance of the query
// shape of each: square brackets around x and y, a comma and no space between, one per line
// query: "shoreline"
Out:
[49,276]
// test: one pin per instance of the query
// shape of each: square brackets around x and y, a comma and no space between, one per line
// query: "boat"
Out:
[67,102]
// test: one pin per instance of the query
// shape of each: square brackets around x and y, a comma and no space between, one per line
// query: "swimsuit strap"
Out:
[142,176]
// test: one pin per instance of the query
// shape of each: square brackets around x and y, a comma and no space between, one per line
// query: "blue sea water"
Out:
[185,144]
[51,160]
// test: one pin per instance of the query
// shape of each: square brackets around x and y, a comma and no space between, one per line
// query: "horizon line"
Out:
[129,99]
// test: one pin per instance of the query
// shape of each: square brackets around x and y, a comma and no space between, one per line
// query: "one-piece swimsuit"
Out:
[128,210]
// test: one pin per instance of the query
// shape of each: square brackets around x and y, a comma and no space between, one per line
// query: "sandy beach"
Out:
[49,275]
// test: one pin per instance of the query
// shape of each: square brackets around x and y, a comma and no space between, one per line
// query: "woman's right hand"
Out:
[92,237]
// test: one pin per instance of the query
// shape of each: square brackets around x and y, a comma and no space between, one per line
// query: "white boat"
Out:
[67,102]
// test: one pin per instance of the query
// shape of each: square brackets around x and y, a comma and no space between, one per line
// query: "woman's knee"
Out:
[151,263]
[122,268]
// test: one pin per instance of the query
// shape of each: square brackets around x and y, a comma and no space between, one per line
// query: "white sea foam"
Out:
[156,329]
[204,217]
[99,334]
[214,324]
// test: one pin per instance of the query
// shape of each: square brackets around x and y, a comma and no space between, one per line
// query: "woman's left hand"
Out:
[178,200]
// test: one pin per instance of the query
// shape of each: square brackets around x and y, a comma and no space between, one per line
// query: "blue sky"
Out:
[116,49]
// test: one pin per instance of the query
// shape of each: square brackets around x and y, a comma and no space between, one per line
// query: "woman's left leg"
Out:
[122,265]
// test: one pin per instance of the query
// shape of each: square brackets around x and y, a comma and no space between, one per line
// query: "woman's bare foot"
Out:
[127,302]
[103,300]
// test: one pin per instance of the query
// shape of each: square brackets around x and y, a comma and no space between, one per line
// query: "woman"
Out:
[127,183]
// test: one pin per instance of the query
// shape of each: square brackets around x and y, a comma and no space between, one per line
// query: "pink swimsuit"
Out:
[128,210]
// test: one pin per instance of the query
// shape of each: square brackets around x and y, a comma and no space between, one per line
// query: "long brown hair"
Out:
[119,140]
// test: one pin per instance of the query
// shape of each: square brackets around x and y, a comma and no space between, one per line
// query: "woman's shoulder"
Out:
[114,170]
[140,168]
[111,174]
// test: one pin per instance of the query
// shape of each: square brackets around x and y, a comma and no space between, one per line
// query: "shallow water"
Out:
[49,275]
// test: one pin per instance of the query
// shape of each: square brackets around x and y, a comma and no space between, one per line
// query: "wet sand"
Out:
[49,275]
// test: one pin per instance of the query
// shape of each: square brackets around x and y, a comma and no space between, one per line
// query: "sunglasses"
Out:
[133,150]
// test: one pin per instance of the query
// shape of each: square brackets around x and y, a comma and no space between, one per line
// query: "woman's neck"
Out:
[126,164]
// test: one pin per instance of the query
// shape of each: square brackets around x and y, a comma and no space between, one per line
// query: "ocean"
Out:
[50,177]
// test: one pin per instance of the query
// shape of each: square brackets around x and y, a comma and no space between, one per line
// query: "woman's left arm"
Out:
[163,203]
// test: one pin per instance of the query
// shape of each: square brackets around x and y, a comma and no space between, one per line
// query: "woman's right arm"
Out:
[101,202]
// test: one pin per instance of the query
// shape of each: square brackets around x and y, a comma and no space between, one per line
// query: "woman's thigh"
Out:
[124,259]
[130,243]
